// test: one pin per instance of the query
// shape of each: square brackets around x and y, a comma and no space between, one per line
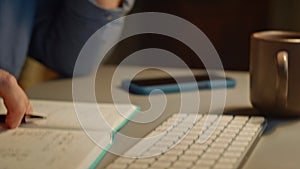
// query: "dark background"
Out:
[227,23]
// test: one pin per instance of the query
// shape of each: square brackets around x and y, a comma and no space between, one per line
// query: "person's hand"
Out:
[109,4]
[15,100]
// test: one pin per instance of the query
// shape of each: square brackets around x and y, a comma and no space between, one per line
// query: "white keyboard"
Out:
[180,142]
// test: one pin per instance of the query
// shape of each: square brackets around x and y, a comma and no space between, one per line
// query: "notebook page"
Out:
[45,148]
[59,140]
[91,116]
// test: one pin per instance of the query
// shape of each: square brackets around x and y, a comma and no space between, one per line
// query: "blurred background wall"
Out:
[227,23]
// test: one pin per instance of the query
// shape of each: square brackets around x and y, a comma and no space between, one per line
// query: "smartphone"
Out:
[169,85]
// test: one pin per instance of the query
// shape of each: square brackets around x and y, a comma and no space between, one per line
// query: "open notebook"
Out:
[59,141]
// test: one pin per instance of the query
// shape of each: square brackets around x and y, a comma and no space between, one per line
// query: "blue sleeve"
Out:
[62,27]
[16,21]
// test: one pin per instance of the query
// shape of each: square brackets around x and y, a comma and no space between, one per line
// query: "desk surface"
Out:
[278,147]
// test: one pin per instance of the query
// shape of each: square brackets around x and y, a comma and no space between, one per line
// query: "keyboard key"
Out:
[243,139]
[161,164]
[182,164]
[205,163]
[146,160]
[217,145]
[188,158]
[202,167]
[192,152]
[238,143]
[223,166]
[123,160]
[170,158]
[236,149]
[116,166]
[241,118]
[227,160]
[138,166]
[215,151]
[177,150]
[223,139]
[210,156]
[256,120]
[232,154]
[174,152]
[197,147]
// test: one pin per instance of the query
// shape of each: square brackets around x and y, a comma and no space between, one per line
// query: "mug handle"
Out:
[282,78]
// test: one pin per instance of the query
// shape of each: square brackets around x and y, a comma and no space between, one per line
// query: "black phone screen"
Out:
[170,80]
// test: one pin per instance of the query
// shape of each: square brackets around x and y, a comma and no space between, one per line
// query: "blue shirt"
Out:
[51,31]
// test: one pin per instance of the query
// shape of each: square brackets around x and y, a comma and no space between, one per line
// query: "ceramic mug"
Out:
[275,73]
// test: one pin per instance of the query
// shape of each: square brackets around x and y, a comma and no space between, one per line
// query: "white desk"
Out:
[278,147]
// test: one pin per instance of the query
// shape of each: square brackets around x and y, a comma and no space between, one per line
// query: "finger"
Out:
[17,105]
[15,99]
